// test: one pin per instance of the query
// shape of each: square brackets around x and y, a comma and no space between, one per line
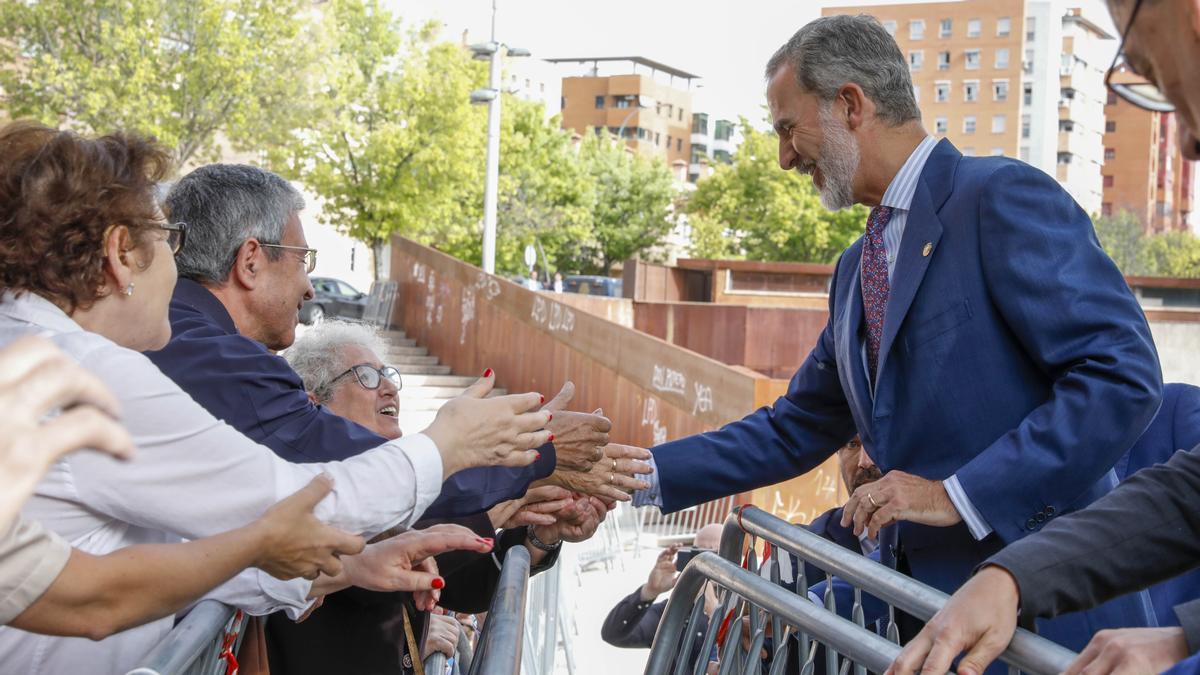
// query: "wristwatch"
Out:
[539,544]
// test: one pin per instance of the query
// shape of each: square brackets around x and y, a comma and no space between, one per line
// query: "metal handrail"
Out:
[858,644]
[199,634]
[437,661]
[1028,652]
[498,651]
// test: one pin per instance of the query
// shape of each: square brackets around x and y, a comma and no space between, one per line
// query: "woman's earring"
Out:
[128,290]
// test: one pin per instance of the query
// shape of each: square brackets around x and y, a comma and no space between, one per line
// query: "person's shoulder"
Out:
[982,172]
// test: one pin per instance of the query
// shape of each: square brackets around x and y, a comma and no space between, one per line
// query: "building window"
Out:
[724,130]
[1026,125]
[1003,26]
[622,101]
[1025,154]
[1064,158]
[599,102]
[1028,64]
[890,27]
[968,152]
[1002,58]
[916,29]
[1110,126]
[1108,181]
[562,102]
[1112,98]
[657,138]
[1066,125]
[971,91]
[941,91]
[974,28]
[1030,28]
[969,124]
[916,58]
[999,123]
[997,152]
[700,124]
[947,27]
[999,90]
[1110,153]
[972,59]
[681,114]
[641,133]
[722,156]
[943,60]
[1027,94]
[679,145]
[916,93]
[941,125]
[1106,208]
[668,142]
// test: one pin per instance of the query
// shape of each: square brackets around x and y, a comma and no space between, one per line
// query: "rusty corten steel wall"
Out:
[652,390]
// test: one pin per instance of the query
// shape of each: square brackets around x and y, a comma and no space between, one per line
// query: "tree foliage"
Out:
[184,72]
[751,209]
[1170,254]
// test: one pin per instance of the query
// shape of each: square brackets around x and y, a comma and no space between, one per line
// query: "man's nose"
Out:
[309,292]
[787,154]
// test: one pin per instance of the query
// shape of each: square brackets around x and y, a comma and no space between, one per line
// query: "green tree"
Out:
[632,211]
[184,72]
[1121,237]
[1170,254]
[752,209]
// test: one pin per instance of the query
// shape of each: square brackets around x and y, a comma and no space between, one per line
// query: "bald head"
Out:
[709,537]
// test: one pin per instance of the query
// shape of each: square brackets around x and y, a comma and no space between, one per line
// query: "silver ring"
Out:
[872,500]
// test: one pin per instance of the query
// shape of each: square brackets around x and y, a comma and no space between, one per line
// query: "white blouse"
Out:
[193,476]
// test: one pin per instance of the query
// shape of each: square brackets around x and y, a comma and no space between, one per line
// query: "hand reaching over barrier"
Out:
[613,477]
[472,430]
[579,438]
[296,543]
[537,507]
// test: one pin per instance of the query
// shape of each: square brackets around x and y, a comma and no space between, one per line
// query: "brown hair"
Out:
[59,193]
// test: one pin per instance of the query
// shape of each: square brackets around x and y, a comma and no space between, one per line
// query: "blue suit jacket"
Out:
[1175,427]
[256,392]
[1013,355]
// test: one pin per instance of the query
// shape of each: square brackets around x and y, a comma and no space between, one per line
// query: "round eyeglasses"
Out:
[371,377]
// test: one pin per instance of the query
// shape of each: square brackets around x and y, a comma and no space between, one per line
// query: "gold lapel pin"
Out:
[927,250]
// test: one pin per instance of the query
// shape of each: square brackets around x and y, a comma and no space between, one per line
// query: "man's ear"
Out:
[118,260]
[248,264]
[855,103]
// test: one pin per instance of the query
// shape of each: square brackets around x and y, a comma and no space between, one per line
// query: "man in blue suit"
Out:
[987,351]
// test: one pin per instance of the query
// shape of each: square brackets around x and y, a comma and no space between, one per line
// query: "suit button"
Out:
[1041,517]
[1030,524]
[1050,511]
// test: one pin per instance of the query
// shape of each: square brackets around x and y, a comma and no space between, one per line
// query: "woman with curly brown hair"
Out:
[86,260]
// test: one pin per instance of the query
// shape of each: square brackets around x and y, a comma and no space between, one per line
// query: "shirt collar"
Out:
[33,309]
[199,298]
[900,191]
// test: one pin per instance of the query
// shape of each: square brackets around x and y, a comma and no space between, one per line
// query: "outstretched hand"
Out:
[295,543]
[613,478]
[405,562]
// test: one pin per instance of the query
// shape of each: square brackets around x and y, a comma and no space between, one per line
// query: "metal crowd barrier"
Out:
[498,651]
[847,643]
[203,643]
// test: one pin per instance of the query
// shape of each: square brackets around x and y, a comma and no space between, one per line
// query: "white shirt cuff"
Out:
[259,594]
[426,461]
[966,510]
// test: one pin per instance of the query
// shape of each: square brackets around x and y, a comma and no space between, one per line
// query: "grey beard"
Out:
[838,163]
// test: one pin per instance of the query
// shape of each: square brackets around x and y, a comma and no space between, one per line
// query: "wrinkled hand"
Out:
[895,497]
[612,478]
[1131,651]
[405,562]
[537,507]
[442,636]
[472,430]
[578,437]
[575,522]
[662,576]
[36,379]
[980,618]
[297,544]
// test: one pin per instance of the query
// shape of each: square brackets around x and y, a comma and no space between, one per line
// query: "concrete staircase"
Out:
[427,383]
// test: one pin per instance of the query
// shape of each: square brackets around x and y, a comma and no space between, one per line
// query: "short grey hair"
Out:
[223,206]
[833,51]
[317,355]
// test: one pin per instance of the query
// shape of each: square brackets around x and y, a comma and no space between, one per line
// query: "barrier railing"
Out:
[203,643]
[847,642]
[498,651]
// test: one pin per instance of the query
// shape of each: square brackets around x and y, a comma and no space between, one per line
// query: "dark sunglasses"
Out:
[176,236]
[371,377]
[1143,94]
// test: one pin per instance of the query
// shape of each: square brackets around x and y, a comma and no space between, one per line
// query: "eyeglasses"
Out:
[371,377]
[1144,94]
[176,236]
[310,254]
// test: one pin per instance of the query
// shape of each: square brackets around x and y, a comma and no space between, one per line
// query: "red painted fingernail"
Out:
[543,398]
[537,455]
[486,540]
[551,417]
[487,373]
[438,584]
[551,439]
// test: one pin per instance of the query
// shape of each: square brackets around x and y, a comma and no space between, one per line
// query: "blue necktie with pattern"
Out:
[875,286]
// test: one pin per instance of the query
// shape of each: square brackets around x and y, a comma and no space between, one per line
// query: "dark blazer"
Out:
[1145,531]
[1013,356]
[256,392]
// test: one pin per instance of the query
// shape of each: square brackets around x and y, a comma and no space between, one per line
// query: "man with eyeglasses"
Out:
[1146,530]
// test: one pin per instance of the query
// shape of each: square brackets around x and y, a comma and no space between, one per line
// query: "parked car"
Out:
[590,284]
[334,299]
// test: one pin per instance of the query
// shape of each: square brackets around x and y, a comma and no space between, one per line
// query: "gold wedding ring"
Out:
[872,500]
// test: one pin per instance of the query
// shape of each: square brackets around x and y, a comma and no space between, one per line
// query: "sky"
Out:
[726,42]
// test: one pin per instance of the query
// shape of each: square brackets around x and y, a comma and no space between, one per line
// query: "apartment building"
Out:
[713,142]
[1144,173]
[1019,78]
[647,103]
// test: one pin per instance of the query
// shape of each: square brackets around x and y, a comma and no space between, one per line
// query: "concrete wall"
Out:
[1178,345]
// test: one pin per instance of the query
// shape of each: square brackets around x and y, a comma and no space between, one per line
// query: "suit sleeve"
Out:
[632,622]
[1144,531]
[1186,417]
[802,429]
[1071,310]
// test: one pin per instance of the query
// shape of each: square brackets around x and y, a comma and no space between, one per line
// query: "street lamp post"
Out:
[491,96]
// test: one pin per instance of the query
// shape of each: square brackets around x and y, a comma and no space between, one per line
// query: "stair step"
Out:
[402,342]
[413,360]
[393,334]
[421,368]
[394,351]
[457,381]
[427,392]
